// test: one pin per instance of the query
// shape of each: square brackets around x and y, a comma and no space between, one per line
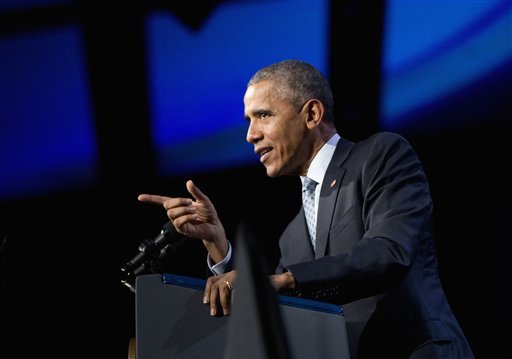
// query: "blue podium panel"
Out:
[172,322]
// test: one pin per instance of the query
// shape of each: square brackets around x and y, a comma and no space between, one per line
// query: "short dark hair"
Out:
[298,82]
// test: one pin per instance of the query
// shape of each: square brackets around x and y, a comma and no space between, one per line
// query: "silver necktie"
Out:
[308,201]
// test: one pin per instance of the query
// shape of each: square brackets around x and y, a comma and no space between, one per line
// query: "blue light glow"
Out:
[197,79]
[47,137]
[433,48]
[10,5]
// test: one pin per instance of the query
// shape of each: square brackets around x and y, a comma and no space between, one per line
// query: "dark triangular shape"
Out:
[255,328]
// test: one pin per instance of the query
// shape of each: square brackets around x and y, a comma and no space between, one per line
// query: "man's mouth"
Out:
[264,154]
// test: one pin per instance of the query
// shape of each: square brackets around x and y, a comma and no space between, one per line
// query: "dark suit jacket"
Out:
[375,251]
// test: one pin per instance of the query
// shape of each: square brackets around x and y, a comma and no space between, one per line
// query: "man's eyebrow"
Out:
[258,112]
[262,111]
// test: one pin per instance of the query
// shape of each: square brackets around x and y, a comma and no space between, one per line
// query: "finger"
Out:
[207,289]
[195,191]
[152,198]
[214,295]
[181,212]
[177,203]
[181,224]
[225,294]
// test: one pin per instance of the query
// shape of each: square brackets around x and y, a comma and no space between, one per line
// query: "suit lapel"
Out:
[329,194]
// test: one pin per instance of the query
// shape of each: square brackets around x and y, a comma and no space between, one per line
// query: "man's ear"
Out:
[314,112]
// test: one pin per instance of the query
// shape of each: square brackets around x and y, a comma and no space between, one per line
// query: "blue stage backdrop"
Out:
[47,135]
[434,50]
[197,77]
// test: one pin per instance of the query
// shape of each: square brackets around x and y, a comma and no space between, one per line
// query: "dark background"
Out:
[62,252]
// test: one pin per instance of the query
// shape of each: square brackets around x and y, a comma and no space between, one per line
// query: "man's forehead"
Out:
[263,91]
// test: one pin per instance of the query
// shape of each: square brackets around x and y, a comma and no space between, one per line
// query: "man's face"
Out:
[276,130]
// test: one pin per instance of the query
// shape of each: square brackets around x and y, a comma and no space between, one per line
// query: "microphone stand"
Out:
[147,251]
[151,250]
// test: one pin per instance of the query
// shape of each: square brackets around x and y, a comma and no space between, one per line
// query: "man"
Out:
[371,249]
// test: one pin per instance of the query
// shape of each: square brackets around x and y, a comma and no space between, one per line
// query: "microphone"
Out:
[168,238]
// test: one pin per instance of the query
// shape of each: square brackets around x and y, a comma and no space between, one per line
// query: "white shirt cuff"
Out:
[219,268]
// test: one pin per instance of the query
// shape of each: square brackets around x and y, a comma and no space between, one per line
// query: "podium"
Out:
[171,321]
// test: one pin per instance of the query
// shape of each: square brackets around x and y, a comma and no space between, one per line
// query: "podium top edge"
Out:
[310,304]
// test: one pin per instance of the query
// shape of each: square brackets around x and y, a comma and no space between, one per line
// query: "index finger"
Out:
[207,289]
[152,198]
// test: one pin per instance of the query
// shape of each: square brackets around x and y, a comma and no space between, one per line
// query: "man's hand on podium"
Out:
[218,292]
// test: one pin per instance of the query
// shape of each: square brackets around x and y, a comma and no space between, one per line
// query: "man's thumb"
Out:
[195,191]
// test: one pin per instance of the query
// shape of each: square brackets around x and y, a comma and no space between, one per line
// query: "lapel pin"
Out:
[333,183]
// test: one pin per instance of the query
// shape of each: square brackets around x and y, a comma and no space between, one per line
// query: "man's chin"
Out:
[271,172]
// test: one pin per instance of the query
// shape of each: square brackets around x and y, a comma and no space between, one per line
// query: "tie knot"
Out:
[309,184]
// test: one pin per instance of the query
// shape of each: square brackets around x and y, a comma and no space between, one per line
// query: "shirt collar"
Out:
[319,165]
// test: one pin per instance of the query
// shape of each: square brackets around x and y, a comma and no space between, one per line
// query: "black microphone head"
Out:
[153,249]
[169,226]
[168,235]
